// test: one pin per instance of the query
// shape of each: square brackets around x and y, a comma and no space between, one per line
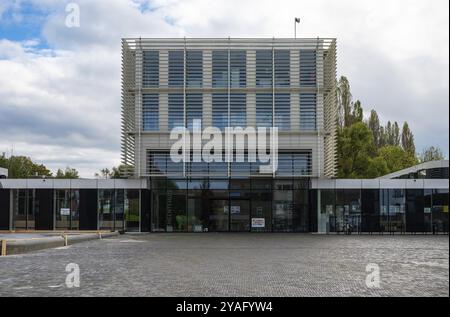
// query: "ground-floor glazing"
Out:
[226,205]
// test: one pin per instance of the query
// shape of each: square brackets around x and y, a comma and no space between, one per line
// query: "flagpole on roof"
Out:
[296,20]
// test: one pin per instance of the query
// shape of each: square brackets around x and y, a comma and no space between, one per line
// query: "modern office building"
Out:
[288,84]
[250,83]
[284,83]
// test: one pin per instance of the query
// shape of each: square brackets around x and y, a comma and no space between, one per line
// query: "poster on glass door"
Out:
[258,222]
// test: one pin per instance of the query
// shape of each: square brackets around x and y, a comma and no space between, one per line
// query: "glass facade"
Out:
[194,109]
[67,209]
[290,164]
[106,208]
[24,208]
[439,210]
[264,110]
[232,205]
[220,69]
[150,69]
[294,164]
[282,112]
[238,110]
[160,163]
[194,69]
[428,173]
[307,68]
[118,209]
[282,68]
[220,111]
[383,211]
[370,210]
[176,111]
[264,64]
[231,73]
[235,116]
[132,209]
[238,68]
[150,112]
[176,68]
[308,112]
[414,211]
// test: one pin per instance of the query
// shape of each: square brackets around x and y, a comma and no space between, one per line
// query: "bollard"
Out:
[65,240]
[3,251]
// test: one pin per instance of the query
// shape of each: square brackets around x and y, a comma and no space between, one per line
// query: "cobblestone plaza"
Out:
[234,265]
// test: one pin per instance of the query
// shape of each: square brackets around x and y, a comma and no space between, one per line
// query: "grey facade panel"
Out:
[379,184]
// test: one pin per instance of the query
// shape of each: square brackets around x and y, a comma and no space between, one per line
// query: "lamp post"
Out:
[296,20]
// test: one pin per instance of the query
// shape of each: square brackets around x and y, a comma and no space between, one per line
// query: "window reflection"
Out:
[106,209]
[440,210]
[67,209]
[131,208]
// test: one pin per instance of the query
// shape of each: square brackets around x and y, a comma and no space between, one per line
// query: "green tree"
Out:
[389,133]
[389,130]
[383,139]
[344,102]
[104,173]
[3,161]
[114,172]
[396,158]
[408,139]
[68,173]
[392,134]
[119,171]
[396,134]
[432,153]
[374,126]
[23,167]
[355,150]
[357,112]
[388,149]
[377,167]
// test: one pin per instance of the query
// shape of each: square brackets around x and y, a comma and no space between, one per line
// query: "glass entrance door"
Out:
[239,215]
[131,206]
[24,208]
[219,215]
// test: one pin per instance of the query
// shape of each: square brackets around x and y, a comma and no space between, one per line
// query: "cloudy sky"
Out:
[60,86]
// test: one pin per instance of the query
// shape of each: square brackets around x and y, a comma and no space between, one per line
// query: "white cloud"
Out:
[64,100]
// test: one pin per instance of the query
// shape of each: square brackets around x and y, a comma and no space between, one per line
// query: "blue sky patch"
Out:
[24,22]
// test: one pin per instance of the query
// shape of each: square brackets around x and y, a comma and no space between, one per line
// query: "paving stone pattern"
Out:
[234,265]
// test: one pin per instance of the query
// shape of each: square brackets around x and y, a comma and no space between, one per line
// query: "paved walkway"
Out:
[22,236]
[234,265]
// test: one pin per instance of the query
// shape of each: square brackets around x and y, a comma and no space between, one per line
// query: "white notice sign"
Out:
[258,222]
[64,211]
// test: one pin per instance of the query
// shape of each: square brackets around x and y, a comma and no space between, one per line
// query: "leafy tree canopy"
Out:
[115,172]
[396,158]
[23,167]
[355,149]
[368,149]
[432,153]
[68,173]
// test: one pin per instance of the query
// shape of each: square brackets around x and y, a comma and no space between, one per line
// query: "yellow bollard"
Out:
[65,240]
[3,252]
